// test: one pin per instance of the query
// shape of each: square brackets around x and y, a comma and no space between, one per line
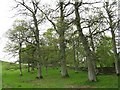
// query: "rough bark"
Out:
[39,74]
[116,55]
[39,65]
[90,59]
[88,53]
[64,72]
[93,50]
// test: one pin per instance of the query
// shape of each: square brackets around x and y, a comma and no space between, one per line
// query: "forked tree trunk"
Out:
[39,65]
[93,49]
[34,10]
[88,53]
[64,72]
[90,59]
[111,24]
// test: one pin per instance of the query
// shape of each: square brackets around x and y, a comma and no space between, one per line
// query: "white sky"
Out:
[5,24]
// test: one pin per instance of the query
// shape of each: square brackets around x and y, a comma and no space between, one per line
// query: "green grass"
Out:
[11,79]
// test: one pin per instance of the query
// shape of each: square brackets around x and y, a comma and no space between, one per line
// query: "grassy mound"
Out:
[11,79]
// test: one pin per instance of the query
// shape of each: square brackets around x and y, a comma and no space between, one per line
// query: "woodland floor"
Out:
[11,79]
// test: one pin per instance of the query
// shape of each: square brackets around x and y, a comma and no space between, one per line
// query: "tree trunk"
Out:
[116,55]
[74,55]
[64,72]
[32,67]
[90,59]
[20,67]
[39,74]
[39,65]
[93,50]
[91,70]
[28,66]
[88,53]
[46,70]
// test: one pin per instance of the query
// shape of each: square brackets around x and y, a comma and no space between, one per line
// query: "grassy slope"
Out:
[11,79]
